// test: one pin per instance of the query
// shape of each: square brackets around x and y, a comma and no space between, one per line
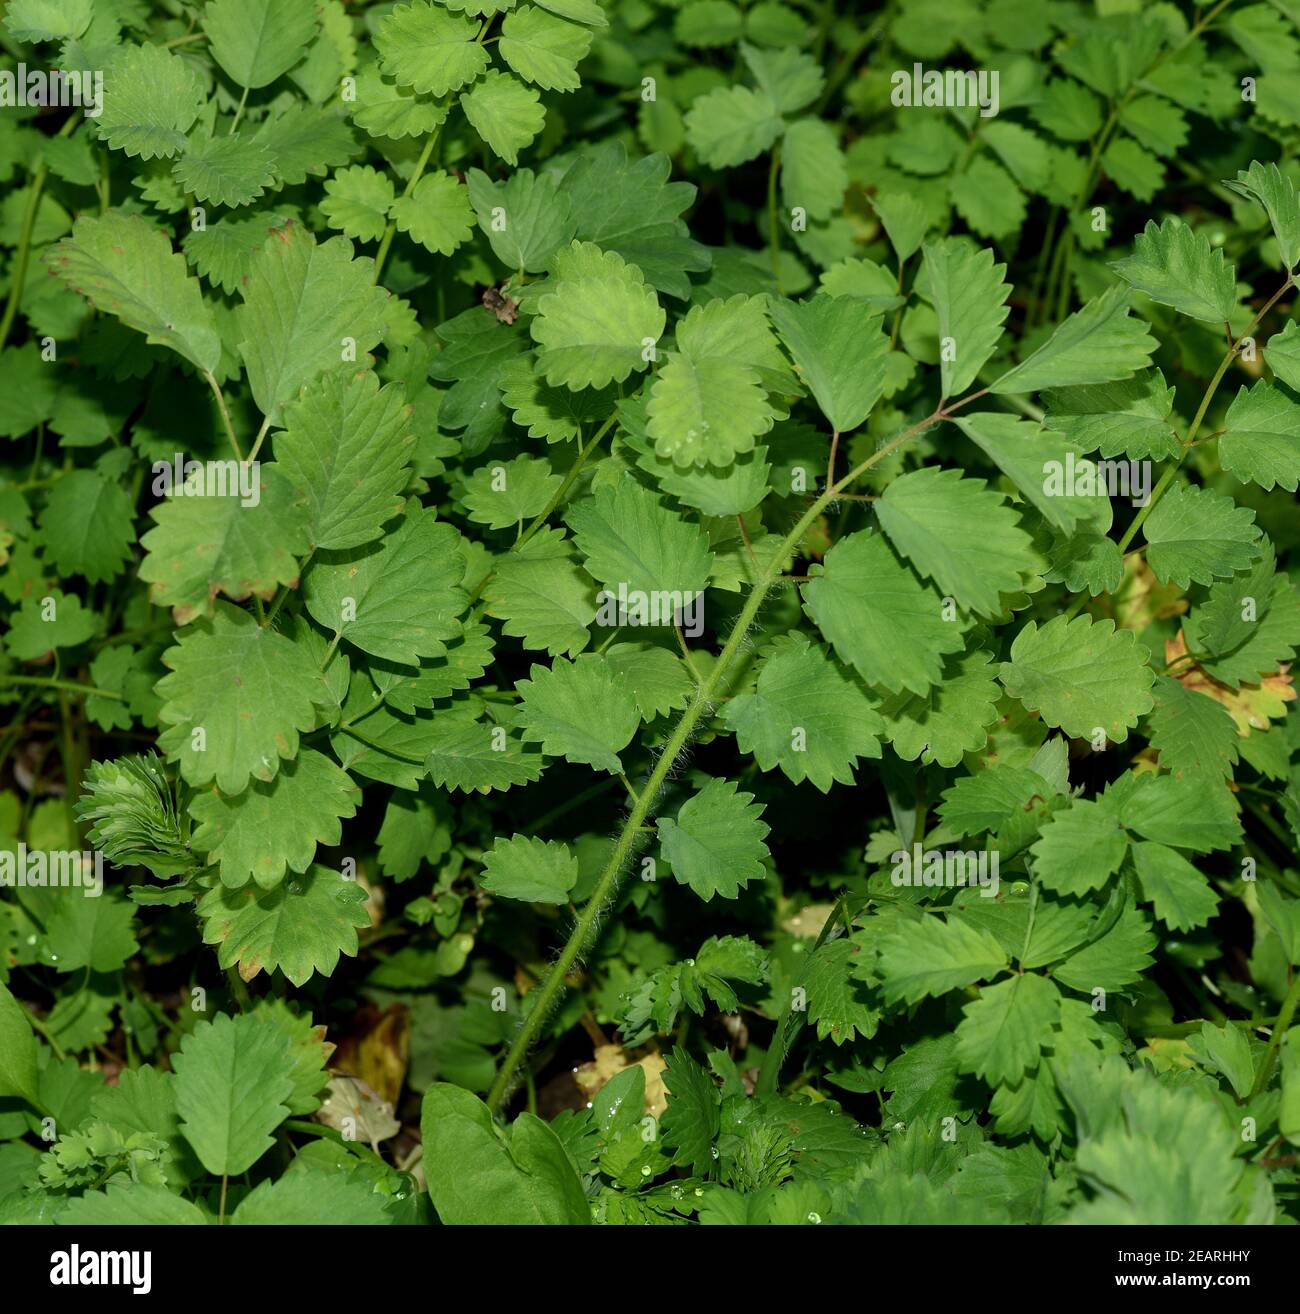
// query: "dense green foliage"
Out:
[650,634]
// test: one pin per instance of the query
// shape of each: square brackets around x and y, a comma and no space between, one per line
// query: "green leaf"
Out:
[527,868]
[43,624]
[594,324]
[904,220]
[732,125]
[1282,354]
[126,267]
[127,1203]
[398,598]
[579,711]
[307,308]
[469,757]
[935,955]
[814,174]
[274,826]
[437,214]
[1034,459]
[1275,192]
[659,681]
[1191,733]
[1115,960]
[1133,417]
[205,542]
[151,101]
[228,171]
[504,494]
[313,1198]
[98,933]
[806,716]
[345,447]
[48,20]
[1178,267]
[421,45]
[504,112]
[706,412]
[968,294]
[234,1076]
[840,350]
[950,719]
[305,141]
[958,532]
[255,41]
[792,78]
[838,1002]
[1181,896]
[715,843]
[1098,344]
[250,690]
[1080,848]
[542,596]
[526,218]
[1002,1033]
[543,49]
[1261,438]
[17,1051]
[1188,812]
[1238,650]
[628,537]
[86,526]
[691,1122]
[383,109]
[879,617]
[1080,675]
[300,927]
[630,207]
[1227,1050]
[1195,535]
[477,1175]
[357,202]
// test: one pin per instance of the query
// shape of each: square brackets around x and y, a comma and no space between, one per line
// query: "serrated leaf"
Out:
[422,46]
[578,711]
[1275,192]
[151,100]
[715,843]
[357,202]
[1003,1032]
[397,599]
[1132,417]
[1081,675]
[1191,733]
[1080,849]
[659,681]
[506,493]
[345,448]
[1195,535]
[950,719]
[1178,267]
[126,267]
[839,349]
[1260,443]
[879,617]
[233,1081]
[301,927]
[806,715]
[204,543]
[1181,896]
[274,827]
[504,112]
[437,214]
[935,955]
[1098,344]
[536,217]
[627,537]
[255,41]
[958,532]
[968,294]
[304,304]
[592,326]
[543,49]
[706,412]
[731,125]
[250,690]
[533,870]
[542,596]
[86,527]
[466,756]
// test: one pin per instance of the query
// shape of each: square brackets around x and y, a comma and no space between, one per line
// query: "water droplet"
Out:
[714,1152]
[699,1190]
[814,1217]
[645,1170]
[295,887]
[31,939]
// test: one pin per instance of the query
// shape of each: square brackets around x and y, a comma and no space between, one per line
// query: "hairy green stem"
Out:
[224,411]
[65,686]
[607,886]
[391,231]
[1280,1028]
